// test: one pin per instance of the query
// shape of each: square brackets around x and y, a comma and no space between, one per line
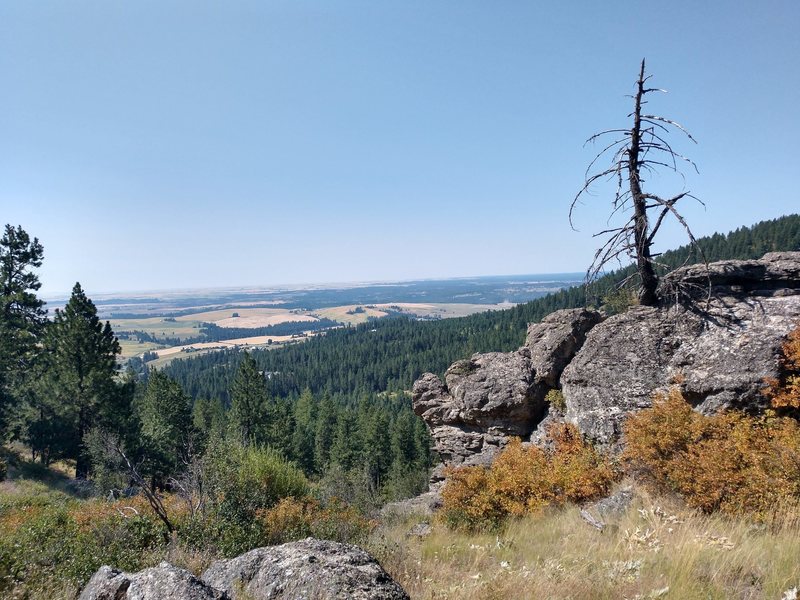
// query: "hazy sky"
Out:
[168,144]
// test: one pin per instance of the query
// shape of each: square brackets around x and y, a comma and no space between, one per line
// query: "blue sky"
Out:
[155,145]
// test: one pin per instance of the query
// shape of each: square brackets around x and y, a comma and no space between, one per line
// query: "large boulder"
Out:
[776,273]
[485,399]
[495,391]
[717,350]
[164,582]
[307,569]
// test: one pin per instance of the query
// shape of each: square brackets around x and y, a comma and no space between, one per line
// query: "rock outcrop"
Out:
[488,398]
[310,568]
[718,339]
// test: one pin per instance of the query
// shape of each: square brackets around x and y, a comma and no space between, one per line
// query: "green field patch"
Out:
[158,327]
[133,348]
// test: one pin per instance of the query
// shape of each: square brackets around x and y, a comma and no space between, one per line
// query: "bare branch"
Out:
[673,123]
[591,139]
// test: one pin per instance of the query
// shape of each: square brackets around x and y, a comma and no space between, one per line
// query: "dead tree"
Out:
[641,149]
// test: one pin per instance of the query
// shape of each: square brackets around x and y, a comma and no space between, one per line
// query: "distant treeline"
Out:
[391,354]
[210,332]
[215,333]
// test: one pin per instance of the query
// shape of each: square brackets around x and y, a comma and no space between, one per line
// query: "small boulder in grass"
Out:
[309,568]
[164,582]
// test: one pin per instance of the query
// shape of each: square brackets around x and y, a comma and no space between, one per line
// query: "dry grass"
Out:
[656,549]
[248,317]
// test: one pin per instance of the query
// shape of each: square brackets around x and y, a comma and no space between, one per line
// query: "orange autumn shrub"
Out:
[524,479]
[730,462]
[655,436]
[785,393]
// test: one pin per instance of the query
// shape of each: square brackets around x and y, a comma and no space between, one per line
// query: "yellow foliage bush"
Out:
[293,519]
[524,480]
[730,462]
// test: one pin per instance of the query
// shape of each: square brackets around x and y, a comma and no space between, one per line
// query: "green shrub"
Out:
[241,481]
[245,479]
[3,469]
[62,543]
[557,400]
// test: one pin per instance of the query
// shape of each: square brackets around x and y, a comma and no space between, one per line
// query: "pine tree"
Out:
[304,431]
[280,432]
[377,446]
[22,316]
[78,380]
[209,419]
[249,416]
[344,446]
[166,427]
[323,435]
[404,447]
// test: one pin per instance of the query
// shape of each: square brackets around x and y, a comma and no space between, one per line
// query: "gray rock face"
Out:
[488,398]
[776,273]
[308,569]
[423,505]
[494,391]
[718,359]
[164,582]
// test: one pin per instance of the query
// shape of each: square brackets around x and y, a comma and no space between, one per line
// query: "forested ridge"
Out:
[389,354]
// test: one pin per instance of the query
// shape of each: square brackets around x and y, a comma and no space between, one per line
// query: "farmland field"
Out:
[247,317]
[170,323]
[442,310]
[135,348]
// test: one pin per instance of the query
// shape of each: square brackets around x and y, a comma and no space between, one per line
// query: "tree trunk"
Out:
[644,263]
[82,464]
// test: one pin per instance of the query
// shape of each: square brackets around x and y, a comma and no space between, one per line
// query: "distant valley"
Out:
[157,327]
